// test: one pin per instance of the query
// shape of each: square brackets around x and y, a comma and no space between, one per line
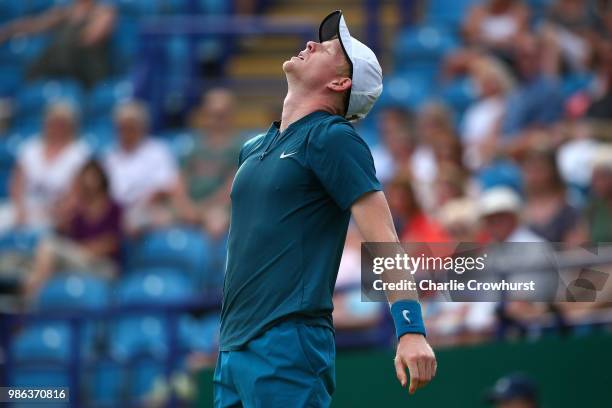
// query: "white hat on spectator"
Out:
[499,200]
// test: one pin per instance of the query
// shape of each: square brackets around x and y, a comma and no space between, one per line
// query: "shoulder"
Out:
[250,145]
[79,148]
[334,131]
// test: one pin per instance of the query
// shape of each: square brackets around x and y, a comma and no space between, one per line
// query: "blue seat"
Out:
[146,333]
[40,377]
[200,334]
[184,249]
[100,137]
[501,173]
[21,50]
[181,142]
[67,292]
[106,95]
[46,342]
[124,44]
[406,90]
[576,83]
[458,94]
[32,99]
[423,47]
[74,291]
[19,240]
[449,13]
[10,79]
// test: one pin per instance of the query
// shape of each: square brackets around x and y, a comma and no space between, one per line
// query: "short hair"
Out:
[493,67]
[63,109]
[133,109]
[345,70]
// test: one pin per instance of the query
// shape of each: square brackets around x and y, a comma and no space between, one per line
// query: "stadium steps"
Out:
[261,58]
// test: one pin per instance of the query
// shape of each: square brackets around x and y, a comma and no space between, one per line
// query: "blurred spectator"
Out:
[547,211]
[79,46]
[459,218]
[496,24]
[144,176]
[575,159]
[45,169]
[454,323]
[482,120]
[601,94]
[87,232]
[450,184]
[395,127]
[412,223]
[569,24]
[500,209]
[514,391]
[437,143]
[599,209]
[6,113]
[211,164]
[349,311]
[537,99]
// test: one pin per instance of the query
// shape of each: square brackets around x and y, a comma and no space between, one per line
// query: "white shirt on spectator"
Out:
[479,123]
[137,174]
[47,179]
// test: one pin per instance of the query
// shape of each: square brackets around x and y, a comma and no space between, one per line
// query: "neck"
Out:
[296,107]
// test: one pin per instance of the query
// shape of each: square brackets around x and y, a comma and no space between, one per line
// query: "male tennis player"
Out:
[293,195]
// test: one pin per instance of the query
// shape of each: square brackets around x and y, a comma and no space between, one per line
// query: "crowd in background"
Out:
[525,162]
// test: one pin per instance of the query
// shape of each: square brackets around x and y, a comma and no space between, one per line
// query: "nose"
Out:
[311,45]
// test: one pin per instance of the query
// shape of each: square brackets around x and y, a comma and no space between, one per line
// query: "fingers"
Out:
[434,367]
[415,377]
[400,371]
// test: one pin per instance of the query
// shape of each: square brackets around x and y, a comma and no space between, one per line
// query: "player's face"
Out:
[318,64]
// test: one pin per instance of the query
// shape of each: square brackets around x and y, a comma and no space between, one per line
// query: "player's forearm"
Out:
[375,223]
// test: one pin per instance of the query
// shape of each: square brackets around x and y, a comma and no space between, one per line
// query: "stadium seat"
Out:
[99,137]
[155,286]
[458,94]
[44,342]
[74,291]
[33,98]
[183,249]
[10,77]
[111,384]
[200,334]
[19,240]
[124,44]
[181,142]
[576,83]
[69,292]
[501,173]
[21,50]
[146,333]
[405,90]
[448,13]
[103,98]
[422,47]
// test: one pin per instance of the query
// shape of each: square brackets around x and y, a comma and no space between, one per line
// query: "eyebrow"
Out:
[328,46]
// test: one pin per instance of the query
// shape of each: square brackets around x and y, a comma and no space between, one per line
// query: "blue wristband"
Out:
[407,317]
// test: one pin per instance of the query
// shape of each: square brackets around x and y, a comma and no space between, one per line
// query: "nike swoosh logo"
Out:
[283,155]
[405,313]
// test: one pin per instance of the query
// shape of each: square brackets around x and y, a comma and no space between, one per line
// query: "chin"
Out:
[288,66]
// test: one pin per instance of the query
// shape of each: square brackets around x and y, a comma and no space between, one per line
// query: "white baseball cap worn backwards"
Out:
[365,71]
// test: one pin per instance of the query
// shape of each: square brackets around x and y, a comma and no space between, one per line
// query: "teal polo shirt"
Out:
[291,200]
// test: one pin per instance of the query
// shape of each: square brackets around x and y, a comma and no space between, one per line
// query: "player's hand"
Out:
[415,354]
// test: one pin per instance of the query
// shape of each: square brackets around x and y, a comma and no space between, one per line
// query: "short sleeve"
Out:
[248,147]
[343,163]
